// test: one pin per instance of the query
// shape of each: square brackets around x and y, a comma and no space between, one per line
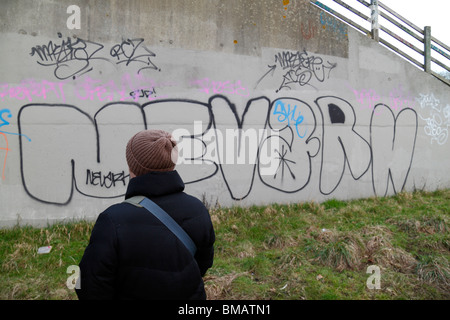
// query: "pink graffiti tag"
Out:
[30,89]
[221,87]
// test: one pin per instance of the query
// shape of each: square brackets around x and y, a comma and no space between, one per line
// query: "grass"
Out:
[297,251]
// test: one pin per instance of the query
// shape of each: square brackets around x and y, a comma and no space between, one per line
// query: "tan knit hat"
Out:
[151,150]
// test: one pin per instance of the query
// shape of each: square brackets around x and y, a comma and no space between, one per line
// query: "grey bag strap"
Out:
[141,201]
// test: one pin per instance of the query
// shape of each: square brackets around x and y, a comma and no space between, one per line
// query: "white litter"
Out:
[42,250]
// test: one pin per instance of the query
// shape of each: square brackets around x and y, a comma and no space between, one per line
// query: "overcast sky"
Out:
[434,13]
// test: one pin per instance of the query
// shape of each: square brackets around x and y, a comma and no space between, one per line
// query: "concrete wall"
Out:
[323,111]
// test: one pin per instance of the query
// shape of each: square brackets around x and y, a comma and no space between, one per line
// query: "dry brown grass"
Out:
[354,250]
[220,287]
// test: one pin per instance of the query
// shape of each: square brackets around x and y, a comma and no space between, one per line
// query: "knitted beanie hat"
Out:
[151,150]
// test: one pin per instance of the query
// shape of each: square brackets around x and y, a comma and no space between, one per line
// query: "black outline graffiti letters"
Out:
[339,146]
[292,153]
[391,146]
[339,143]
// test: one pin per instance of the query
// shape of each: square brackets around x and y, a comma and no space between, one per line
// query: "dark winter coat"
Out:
[132,255]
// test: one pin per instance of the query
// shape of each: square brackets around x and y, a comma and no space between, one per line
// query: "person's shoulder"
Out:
[115,211]
[193,201]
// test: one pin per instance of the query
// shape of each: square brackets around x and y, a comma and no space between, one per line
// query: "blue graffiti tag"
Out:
[4,122]
[285,113]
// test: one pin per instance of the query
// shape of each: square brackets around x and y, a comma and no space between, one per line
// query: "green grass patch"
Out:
[291,252]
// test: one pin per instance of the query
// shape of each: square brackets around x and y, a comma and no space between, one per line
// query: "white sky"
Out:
[434,13]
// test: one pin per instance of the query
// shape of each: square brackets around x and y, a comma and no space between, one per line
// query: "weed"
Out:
[295,251]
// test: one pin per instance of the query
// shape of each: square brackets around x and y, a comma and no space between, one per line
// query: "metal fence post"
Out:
[374,20]
[427,51]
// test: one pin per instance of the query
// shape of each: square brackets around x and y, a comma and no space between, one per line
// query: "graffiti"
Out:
[129,87]
[294,157]
[30,89]
[299,69]
[72,59]
[285,113]
[69,59]
[2,133]
[5,122]
[105,180]
[128,52]
[335,112]
[339,28]
[308,30]
[397,98]
[392,137]
[221,87]
[141,93]
[367,98]
[328,127]
[400,99]
[437,120]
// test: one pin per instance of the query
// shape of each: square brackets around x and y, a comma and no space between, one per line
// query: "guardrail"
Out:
[426,43]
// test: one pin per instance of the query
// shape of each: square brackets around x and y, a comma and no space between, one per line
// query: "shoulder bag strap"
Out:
[141,201]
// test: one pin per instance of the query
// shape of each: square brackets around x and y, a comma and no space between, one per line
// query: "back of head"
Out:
[151,150]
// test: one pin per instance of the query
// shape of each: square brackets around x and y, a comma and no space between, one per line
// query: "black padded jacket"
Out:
[132,255]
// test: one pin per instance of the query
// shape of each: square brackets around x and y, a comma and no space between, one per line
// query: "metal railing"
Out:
[377,11]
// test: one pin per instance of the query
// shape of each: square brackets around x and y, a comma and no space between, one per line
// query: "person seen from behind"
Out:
[133,255]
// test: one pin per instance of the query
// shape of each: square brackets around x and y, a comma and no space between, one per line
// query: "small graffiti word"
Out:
[398,99]
[435,128]
[218,87]
[29,89]
[129,88]
[69,58]
[428,101]
[285,113]
[367,98]
[4,122]
[105,180]
[299,69]
[72,59]
[126,52]
[438,119]
[141,93]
